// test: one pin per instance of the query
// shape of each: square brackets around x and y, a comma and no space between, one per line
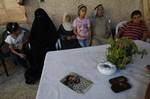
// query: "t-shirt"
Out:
[16,42]
[133,31]
[82,26]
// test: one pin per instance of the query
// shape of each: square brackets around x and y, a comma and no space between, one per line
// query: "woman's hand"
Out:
[68,37]
[73,37]
[20,46]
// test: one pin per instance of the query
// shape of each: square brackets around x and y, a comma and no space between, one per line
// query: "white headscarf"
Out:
[67,25]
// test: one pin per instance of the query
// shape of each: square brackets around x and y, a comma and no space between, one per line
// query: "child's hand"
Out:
[85,36]
[23,56]
[78,30]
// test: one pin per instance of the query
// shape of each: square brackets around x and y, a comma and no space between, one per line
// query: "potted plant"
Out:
[121,52]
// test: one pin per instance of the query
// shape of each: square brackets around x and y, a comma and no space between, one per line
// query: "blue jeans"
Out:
[83,43]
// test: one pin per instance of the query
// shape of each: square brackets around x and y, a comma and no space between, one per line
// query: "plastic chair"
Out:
[119,25]
[58,45]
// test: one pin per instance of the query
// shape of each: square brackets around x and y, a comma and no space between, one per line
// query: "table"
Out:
[83,61]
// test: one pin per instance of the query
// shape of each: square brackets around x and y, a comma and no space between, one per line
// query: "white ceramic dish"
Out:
[106,68]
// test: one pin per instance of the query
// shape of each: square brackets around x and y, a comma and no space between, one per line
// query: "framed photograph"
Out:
[77,83]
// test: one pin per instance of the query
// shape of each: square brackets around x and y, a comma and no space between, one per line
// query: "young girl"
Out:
[68,38]
[82,26]
[100,26]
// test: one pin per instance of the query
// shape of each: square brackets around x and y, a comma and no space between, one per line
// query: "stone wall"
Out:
[117,10]
[10,10]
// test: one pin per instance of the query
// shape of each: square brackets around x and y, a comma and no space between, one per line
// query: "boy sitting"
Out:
[16,40]
[134,29]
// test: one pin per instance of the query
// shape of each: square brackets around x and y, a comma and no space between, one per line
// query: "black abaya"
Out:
[42,39]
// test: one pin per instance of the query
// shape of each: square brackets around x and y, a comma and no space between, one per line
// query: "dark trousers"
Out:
[20,61]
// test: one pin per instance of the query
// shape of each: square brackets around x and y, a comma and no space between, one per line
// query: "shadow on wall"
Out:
[116,10]
[10,10]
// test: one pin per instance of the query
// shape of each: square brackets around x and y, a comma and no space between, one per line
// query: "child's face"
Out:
[82,12]
[15,34]
[136,18]
[100,11]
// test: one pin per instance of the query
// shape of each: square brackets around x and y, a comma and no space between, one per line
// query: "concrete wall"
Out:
[10,10]
[117,10]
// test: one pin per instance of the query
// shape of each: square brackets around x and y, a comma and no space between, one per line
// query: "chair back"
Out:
[119,25]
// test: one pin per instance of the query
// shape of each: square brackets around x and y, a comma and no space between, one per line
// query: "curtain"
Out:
[146,12]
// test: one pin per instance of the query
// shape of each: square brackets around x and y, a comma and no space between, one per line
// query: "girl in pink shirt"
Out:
[82,26]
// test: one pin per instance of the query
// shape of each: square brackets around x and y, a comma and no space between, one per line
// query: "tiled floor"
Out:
[14,87]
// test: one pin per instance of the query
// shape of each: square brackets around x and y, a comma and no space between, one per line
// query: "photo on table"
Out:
[77,83]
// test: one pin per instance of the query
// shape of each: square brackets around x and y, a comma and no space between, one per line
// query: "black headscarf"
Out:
[43,31]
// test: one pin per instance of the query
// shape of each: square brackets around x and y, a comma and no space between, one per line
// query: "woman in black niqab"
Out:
[43,30]
[42,39]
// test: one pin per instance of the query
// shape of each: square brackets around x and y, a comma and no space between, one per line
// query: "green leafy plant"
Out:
[121,52]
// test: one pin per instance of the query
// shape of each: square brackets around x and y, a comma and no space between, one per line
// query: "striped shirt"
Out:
[133,31]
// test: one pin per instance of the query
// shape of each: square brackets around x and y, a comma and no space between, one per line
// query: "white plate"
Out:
[106,68]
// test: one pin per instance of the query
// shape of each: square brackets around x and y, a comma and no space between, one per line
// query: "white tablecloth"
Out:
[84,62]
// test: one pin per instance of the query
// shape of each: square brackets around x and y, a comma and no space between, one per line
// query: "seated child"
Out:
[68,38]
[100,26]
[82,26]
[16,40]
[134,29]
